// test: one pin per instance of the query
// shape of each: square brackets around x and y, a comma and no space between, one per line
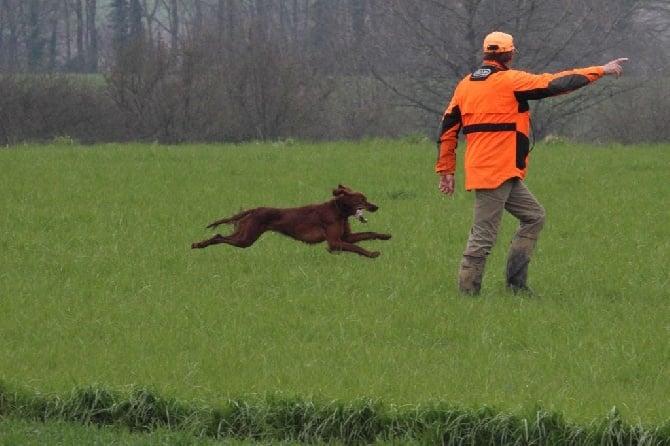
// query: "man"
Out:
[491,107]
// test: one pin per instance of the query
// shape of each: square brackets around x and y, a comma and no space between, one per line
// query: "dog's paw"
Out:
[384,236]
[374,254]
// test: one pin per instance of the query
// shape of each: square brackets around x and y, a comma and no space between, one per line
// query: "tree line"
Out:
[231,70]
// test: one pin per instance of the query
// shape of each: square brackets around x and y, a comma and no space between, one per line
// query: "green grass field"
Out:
[99,286]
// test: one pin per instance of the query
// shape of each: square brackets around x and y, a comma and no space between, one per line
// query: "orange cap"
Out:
[498,42]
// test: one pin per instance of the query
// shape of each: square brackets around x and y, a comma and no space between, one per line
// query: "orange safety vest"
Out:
[491,107]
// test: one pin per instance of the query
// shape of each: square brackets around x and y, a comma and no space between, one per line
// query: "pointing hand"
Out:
[614,67]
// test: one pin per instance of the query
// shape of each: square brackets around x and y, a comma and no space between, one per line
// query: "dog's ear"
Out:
[342,189]
[339,190]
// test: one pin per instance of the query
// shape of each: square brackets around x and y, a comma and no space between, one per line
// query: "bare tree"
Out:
[80,29]
[91,36]
[173,13]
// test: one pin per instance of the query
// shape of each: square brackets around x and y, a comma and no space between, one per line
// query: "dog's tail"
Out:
[234,219]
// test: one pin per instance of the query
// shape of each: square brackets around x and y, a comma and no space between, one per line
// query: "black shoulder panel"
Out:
[567,83]
[563,84]
[451,119]
[483,73]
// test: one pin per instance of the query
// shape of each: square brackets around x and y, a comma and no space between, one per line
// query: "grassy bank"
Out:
[141,414]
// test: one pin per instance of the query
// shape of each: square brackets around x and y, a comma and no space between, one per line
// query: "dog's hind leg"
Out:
[218,238]
[234,219]
[243,237]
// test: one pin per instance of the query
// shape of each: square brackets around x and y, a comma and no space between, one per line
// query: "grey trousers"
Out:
[512,196]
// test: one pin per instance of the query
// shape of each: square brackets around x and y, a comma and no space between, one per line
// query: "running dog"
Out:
[314,223]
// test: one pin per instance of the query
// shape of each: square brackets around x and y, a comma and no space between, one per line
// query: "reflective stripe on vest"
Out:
[503,127]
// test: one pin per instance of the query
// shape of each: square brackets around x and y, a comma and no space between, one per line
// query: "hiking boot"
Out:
[518,259]
[470,275]
[522,290]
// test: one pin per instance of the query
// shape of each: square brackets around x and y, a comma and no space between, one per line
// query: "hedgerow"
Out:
[280,418]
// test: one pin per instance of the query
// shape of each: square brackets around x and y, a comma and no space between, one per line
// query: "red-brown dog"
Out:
[313,223]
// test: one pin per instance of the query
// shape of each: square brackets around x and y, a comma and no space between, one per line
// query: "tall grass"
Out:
[294,420]
[98,285]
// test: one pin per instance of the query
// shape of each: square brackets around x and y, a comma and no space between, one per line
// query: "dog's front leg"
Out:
[360,236]
[350,247]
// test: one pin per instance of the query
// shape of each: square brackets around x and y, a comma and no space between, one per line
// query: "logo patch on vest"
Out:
[481,74]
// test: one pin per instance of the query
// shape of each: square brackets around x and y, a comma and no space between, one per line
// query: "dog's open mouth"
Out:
[359,215]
